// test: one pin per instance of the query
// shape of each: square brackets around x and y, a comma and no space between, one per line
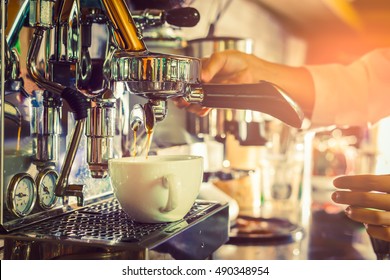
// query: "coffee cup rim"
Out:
[152,159]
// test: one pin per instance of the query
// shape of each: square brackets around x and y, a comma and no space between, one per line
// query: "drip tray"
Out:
[254,230]
[106,225]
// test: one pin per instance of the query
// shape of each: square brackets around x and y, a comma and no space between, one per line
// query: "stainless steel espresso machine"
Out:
[70,72]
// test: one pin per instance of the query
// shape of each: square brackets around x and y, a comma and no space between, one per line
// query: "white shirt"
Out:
[355,94]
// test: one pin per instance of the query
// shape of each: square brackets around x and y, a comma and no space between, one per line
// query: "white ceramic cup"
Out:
[158,188]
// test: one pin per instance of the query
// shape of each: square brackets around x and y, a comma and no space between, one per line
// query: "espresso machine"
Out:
[73,73]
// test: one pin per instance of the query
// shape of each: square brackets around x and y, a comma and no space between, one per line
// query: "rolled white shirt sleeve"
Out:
[355,94]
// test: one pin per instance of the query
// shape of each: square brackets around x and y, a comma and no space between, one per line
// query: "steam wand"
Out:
[77,102]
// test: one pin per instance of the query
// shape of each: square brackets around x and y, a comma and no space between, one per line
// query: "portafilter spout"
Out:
[148,114]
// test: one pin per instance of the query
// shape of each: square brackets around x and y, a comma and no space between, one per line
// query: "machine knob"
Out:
[182,17]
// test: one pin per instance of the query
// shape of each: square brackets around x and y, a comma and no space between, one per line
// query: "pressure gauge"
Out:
[21,194]
[46,182]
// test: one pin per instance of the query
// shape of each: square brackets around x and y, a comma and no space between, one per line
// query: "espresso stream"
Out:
[134,154]
[149,133]
[148,142]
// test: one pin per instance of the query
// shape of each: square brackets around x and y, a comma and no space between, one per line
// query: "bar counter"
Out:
[328,235]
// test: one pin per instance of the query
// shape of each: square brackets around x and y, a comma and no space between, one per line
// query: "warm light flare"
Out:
[346,12]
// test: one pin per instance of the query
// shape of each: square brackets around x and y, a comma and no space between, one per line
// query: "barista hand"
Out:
[236,67]
[232,66]
[368,200]
[226,67]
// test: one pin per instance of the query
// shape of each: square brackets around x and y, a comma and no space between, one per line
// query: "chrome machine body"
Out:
[85,61]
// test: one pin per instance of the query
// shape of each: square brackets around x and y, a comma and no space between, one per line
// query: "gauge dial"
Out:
[21,194]
[46,182]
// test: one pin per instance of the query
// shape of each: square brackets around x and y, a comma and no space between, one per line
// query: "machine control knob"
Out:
[182,17]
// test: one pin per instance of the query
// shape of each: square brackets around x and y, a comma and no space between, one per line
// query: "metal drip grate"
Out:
[105,221]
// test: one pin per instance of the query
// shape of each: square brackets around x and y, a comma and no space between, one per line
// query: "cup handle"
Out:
[172,183]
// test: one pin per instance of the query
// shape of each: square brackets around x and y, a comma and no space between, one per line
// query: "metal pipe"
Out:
[126,32]
[62,10]
[18,24]
[100,130]
[2,95]
[33,52]
[62,182]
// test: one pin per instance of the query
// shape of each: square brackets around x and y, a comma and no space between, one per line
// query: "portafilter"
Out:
[161,76]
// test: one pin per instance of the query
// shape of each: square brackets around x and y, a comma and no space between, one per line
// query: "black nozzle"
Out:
[77,102]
